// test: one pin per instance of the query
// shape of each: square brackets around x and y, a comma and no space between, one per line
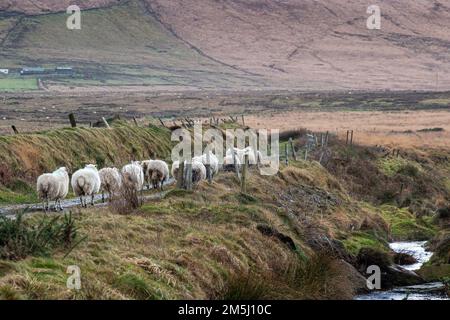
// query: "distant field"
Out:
[388,118]
[17,84]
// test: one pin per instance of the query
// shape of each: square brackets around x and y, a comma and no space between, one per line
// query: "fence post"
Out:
[326,139]
[236,167]
[188,181]
[73,123]
[243,121]
[162,123]
[106,123]
[306,154]
[208,167]
[180,178]
[346,140]
[351,139]
[294,153]
[244,175]
[15,129]
[286,153]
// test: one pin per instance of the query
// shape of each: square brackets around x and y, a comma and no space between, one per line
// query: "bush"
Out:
[21,237]
[409,170]
[126,201]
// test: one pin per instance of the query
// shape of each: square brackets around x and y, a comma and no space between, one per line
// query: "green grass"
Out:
[358,240]
[405,226]
[18,84]
[10,197]
[436,101]
[393,166]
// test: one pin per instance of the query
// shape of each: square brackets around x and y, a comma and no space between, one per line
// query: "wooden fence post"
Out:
[294,153]
[326,139]
[72,120]
[244,175]
[180,178]
[188,175]
[351,139]
[162,123]
[15,129]
[243,121]
[306,154]
[208,167]
[286,153]
[346,140]
[236,167]
[106,123]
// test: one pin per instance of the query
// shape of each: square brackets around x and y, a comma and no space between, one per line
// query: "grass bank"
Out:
[24,157]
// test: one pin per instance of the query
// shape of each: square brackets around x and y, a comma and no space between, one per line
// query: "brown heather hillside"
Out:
[45,6]
[306,45]
[321,44]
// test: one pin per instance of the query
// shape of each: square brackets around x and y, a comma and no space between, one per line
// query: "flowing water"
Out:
[426,291]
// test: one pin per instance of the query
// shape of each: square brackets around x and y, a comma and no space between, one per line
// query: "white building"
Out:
[4,71]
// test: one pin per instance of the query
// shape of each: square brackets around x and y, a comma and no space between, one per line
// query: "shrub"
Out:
[6,175]
[126,201]
[409,169]
[21,237]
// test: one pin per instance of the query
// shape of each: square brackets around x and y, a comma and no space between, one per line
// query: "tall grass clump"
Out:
[126,201]
[245,286]
[22,237]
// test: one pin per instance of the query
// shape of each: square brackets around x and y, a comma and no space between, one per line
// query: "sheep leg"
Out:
[103,197]
[60,205]
[92,200]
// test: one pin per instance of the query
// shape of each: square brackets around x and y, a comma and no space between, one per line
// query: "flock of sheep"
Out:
[89,181]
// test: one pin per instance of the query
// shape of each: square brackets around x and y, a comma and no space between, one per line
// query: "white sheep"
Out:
[133,176]
[228,162]
[157,173]
[198,170]
[53,186]
[86,182]
[111,182]
[213,162]
[240,153]
[175,168]
[145,164]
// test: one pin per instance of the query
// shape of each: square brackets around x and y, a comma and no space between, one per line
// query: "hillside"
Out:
[117,46]
[296,235]
[307,45]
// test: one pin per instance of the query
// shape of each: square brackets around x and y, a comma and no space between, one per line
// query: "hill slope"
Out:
[311,45]
[321,44]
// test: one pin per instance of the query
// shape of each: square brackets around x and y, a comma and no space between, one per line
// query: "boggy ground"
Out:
[295,235]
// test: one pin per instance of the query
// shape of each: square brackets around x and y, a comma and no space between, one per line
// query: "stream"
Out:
[426,291]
